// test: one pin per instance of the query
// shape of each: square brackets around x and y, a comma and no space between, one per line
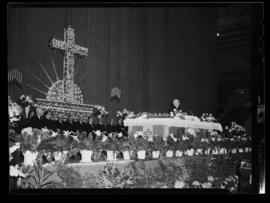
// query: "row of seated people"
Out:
[38,120]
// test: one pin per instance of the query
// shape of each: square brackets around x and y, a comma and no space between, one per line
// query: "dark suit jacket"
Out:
[172,107]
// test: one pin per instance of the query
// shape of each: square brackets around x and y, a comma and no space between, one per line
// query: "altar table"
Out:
[161,126]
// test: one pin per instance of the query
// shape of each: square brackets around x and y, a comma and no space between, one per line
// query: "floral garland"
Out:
[208,117]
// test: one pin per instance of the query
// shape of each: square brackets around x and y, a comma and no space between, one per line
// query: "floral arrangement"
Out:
[208,117]
[125,114]
[100,111]
[14,111]
[31,138]
[25,101]
[158,144]
[237,130]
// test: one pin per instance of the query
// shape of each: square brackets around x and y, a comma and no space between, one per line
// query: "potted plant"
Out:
[30,142]
[179,148]
[125,148]
[157,146]
[109,146]
[142,146]
[86,150]
[170,146]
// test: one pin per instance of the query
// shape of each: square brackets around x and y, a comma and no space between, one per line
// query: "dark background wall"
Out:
[152,54]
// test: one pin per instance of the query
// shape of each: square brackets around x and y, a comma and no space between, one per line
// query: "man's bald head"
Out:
[176,102]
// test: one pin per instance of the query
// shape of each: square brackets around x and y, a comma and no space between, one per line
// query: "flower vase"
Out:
[141,154]
[234,151]
[155,154]
[190,152]
[86,155]
[221,151]
[179,153]
[29,158]
[169,153]
[200,151]
[110,156]
[126,155]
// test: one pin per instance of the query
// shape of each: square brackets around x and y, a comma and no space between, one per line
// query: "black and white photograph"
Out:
[128,96]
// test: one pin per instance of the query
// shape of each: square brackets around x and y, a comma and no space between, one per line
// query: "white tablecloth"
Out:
[148,123]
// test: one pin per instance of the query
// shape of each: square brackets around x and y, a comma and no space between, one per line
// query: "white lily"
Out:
[98,133]
[120,134]
[66,133]
[54,134]
[104,138]
[14,147]
[75,138]
[28,130]
[210,178]
[45,130]
[179,184]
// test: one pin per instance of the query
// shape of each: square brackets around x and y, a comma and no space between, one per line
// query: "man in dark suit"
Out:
[175,107]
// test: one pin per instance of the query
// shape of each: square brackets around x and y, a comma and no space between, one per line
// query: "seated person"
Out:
[175,107]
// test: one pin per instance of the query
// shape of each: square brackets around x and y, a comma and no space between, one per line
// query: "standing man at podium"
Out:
[175,107]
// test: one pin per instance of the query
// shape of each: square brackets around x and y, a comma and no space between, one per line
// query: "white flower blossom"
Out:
[179,184]
[195,183]
[191,131]
[54,134]
[14,147]
[75,138]
[207,185]
[120,134]
[15,171]
[98,133]
[28,130]
[45,130]
[104,138]
[66,133]
[210,178]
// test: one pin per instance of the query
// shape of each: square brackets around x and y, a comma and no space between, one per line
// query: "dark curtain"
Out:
[152,54]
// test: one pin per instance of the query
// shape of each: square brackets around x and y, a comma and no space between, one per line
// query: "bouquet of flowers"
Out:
[208,117]
[30,139]
[125,114]
[237,130]
[25,101]
[100,111]
[14,111]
